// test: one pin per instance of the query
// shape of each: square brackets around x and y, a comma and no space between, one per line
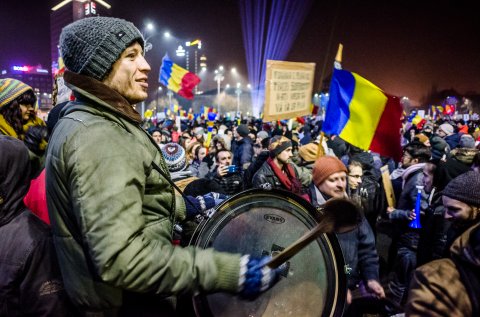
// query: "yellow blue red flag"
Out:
[363,115]
[177,79]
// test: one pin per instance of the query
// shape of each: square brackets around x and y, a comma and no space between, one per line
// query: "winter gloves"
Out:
[36,139]
[256,277]
[200,204]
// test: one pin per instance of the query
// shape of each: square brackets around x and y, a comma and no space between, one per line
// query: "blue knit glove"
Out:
[256,277]
[197,205]
[200,204]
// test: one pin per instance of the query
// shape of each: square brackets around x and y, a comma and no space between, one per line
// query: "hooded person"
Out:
[110,195]
[30,279]
[449,286]
[279,172]
[17,115]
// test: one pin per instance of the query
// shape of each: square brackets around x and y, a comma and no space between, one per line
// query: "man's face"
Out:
[230,134]
[334,185]
[224,158]
[157,136]
[129,75]
[285,155]
[408,160]
[428,172]
[355,176]
[236,135]
[458,212]
[441,133]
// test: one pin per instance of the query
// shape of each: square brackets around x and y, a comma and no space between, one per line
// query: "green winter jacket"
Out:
[112,214]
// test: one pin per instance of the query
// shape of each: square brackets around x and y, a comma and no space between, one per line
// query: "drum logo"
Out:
[274,218]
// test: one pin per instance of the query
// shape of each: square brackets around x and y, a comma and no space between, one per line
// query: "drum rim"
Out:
[330,242]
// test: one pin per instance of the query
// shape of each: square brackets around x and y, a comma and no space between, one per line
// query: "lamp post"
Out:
[219,78]
[169,94]
[238,91]
[149,28]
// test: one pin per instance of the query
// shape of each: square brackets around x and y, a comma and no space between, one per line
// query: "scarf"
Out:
[91,87]
[287,177]
[410,170]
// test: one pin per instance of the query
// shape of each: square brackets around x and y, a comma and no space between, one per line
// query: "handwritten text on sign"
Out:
[289,90]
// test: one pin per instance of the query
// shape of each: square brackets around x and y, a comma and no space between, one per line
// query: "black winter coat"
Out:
[30,279]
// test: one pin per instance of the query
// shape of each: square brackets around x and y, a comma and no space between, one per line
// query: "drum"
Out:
[264,222]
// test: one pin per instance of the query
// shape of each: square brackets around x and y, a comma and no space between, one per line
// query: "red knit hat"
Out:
[324,167]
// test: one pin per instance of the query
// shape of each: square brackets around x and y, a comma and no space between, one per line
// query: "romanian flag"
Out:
[363,115]
[177,79]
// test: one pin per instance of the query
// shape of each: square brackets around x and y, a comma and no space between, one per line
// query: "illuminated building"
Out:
[67,11]
[37,77]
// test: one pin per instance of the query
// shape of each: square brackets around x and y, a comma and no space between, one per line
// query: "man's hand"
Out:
[411,215]
[222,170]
[390,209]
[376,288]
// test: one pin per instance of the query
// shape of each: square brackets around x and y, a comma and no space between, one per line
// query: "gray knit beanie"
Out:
[91,46]
[465,188]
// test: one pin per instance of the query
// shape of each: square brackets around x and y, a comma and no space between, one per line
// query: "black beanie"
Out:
[465,188]
[243,130]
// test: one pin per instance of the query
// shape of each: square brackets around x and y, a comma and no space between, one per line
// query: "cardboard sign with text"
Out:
[288,90]
[387,185]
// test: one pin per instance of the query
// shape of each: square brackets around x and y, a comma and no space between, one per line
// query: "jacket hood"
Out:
[14,177]
[464,246]
[96,91]
[464,155]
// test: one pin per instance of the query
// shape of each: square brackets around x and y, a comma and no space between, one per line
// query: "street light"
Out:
[238,91]
[219,78]
[149,28]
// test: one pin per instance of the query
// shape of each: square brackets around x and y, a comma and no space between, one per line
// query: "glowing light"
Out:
[61,4]
[180,51]
[269,29]
[167,35]
[21,68]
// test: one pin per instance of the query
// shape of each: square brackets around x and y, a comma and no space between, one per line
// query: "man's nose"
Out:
[144,65]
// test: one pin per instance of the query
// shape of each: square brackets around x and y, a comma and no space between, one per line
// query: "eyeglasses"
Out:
[355,176]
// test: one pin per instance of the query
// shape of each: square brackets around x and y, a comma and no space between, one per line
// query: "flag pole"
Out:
[337,65]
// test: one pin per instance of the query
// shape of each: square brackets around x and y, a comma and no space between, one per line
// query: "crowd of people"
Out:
[90,224]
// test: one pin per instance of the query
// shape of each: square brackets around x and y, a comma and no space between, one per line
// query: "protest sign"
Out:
[288,90]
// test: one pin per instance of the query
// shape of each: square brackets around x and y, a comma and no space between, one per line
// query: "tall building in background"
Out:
[37,77]
[65,12]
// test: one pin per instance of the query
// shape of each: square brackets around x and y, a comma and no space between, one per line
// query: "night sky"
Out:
[407,48]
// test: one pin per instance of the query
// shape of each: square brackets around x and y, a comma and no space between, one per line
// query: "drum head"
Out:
[260,222]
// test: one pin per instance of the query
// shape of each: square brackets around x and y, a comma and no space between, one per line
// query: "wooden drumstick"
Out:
[339,215]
